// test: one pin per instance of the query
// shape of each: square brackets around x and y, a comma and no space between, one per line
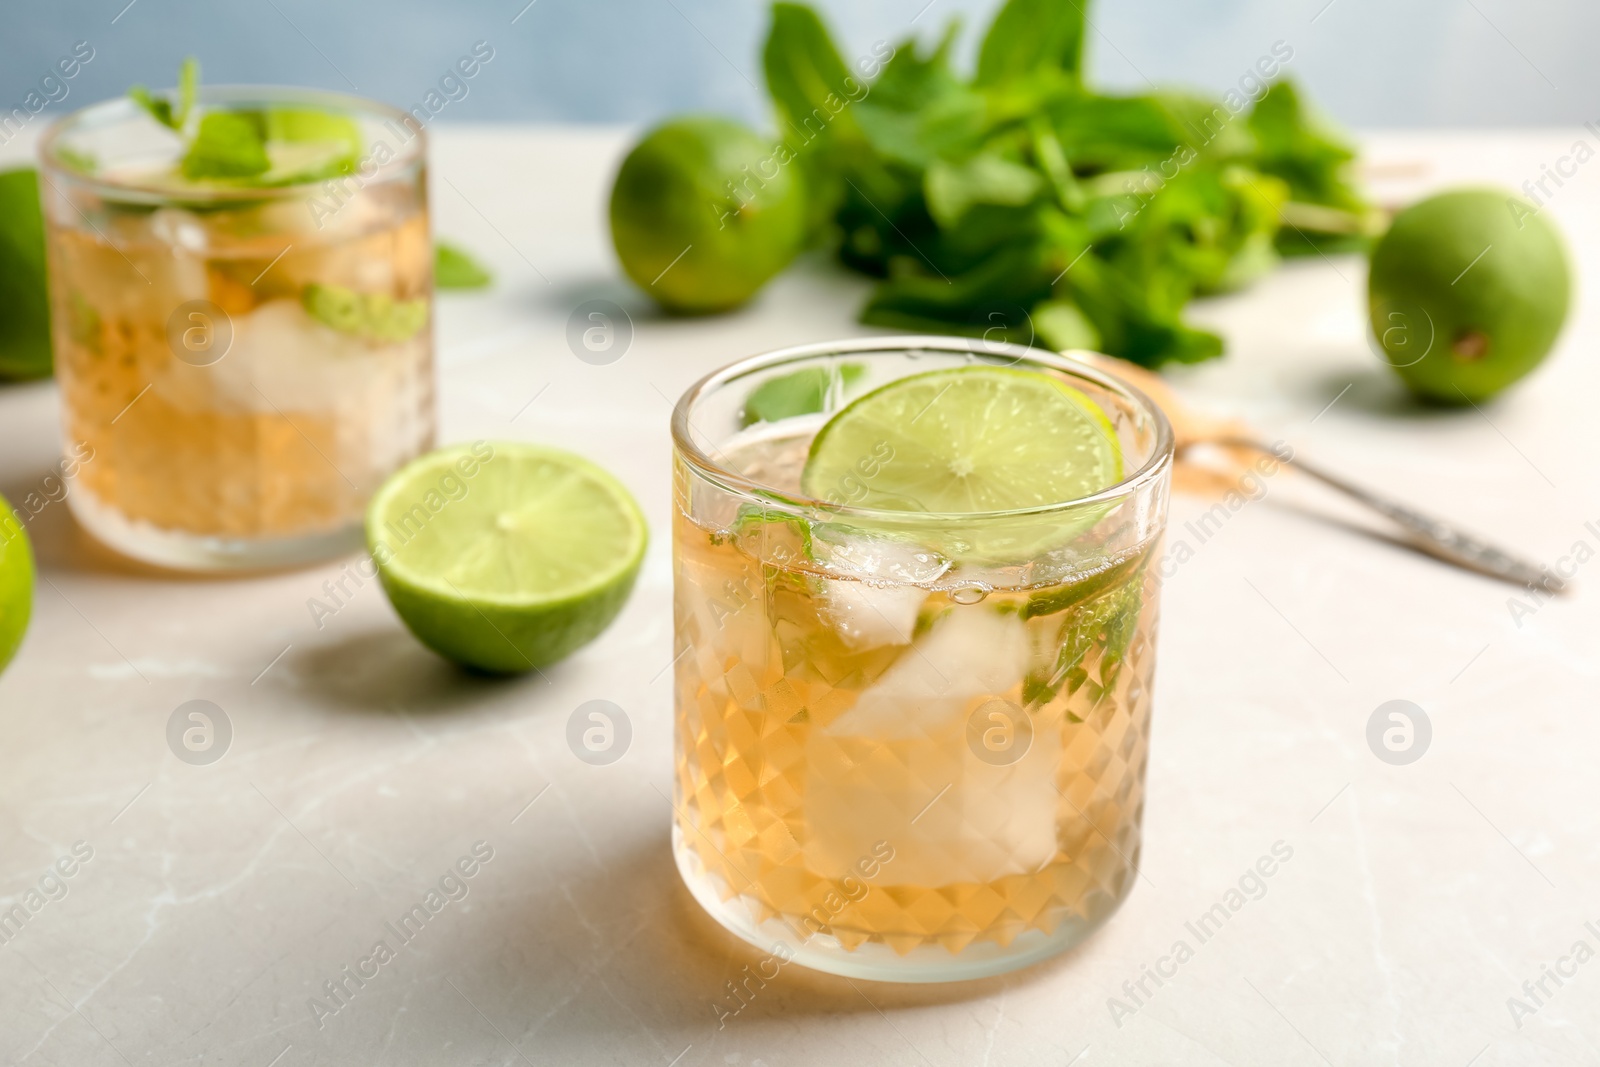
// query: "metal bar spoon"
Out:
[1438,537]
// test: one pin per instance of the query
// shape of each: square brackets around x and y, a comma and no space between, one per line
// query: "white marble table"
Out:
[220,899]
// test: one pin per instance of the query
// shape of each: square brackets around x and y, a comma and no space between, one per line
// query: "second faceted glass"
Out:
[910,746]
[242,360]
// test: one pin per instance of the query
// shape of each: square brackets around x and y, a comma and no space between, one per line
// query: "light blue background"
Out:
[1370,63]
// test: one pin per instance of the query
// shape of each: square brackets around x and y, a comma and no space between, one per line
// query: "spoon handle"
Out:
[1435,536]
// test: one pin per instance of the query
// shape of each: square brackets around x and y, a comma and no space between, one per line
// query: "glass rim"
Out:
[1158,463]
[105,112]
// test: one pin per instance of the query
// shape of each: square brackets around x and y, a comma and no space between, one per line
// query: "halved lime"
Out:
[505,556]
[966,441]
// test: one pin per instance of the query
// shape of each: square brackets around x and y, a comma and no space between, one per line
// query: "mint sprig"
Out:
[228,144]
[160,108]
[253,146]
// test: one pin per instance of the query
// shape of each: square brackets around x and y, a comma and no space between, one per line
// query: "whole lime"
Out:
[16,582]
[24,307]
[1467,293]
[704,212]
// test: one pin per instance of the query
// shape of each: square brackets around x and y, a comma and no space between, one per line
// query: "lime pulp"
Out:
[970,441]
[967,441]
[505,556]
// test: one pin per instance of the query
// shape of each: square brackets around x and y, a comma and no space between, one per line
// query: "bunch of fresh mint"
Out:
[1021,204]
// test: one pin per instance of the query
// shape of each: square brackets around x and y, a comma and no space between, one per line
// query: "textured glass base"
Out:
[876,962]
[195,552]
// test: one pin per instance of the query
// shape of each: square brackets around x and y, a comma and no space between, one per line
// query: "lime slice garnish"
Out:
[505,556]
[966,441]
[970,441]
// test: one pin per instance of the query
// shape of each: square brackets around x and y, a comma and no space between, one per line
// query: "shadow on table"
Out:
[659,956]
[569,295]
[1376,390]
[59,543]
[388,670]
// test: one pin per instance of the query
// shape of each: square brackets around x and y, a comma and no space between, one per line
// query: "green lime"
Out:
[505,556]
[968,441]
[16,582]
[704,212]
[24,305]
[1467,293]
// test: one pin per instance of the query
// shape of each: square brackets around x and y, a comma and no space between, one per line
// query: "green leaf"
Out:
[227,144]
[454,268]
[1029,36]
[1109,622]
[811,91]
[1062,325]
[802,392]
[953,188]
[911,82]
[1298,147]
[188,91]
[990,300]
[1111,133]
[80,161]
[158,108]
[25,323]
[376,317]
[809,82]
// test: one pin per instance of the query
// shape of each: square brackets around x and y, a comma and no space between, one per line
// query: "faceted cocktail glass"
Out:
[909,746]
[240,366]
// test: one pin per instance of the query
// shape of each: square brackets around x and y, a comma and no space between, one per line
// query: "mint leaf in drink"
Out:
[25,321]
[454,268]
[188,91]
[160,108]
[227,144]
[370,316]
[803,392]
[271,147]
[82,162]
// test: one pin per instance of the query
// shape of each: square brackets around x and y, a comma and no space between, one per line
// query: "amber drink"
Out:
[911,747]
[248,359]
